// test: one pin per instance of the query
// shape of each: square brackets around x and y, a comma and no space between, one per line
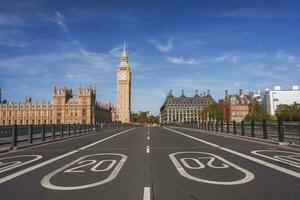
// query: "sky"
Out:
[171,45]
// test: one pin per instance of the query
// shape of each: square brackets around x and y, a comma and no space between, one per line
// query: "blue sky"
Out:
[176,45]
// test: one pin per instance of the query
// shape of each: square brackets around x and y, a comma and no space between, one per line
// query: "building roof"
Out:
[170,99]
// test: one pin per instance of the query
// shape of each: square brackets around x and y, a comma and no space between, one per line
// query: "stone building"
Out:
[64,108]
[236,106]
[183,108]
[123,112]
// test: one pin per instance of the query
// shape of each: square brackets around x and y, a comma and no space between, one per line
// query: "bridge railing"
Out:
[279,131]
[16,135]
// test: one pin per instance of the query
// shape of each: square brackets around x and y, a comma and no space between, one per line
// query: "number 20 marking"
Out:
[94,168]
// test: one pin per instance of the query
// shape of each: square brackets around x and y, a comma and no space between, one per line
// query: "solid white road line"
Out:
[148,149]
[24,171]
[89,145]
[262,162]
[146,193]
[203,141]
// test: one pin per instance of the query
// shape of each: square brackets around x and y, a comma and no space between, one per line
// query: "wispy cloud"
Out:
[116,51]
[226,58]
[163,47]
[10,19]
[181,60]
[257,13]
[285,57]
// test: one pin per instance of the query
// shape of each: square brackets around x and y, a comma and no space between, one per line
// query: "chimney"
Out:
[208,92]
[226,94]
[241,93]
[204,94]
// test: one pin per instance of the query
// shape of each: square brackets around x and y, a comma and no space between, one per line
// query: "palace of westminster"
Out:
[65,107]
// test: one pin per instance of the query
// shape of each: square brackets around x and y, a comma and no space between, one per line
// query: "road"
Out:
[156,163]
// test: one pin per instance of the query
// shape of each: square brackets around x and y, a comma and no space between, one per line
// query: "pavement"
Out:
[162,163]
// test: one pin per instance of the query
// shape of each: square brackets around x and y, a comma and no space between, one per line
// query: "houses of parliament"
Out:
[66,108]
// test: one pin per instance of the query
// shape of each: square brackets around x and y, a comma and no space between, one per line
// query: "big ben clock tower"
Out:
[124,89]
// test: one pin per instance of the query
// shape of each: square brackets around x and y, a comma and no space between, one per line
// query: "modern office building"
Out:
[271,98]
[64,108]
[183,108]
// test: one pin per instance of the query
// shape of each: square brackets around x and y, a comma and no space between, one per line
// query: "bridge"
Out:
[171,162]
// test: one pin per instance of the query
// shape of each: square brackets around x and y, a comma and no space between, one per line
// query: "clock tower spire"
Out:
[124,89]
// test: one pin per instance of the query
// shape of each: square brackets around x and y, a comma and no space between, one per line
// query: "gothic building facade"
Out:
[184,109]
[64,108]
[123,112]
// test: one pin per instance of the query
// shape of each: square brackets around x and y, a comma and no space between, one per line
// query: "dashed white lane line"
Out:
[24,171]
[148,149]
[262,162]
[148,138]
[146,193]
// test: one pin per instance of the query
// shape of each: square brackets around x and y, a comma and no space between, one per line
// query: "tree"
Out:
[256,112]
[288,112]
[214,111]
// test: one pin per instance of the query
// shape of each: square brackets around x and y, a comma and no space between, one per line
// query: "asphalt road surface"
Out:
[155,163]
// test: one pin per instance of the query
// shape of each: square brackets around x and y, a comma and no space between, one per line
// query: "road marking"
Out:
[45,182]
[146,193]
[89,145]
[17,163]
[262,162]
[290,159]
[249,176]
[148,138]
[24,171]
[203,141]
[148,149]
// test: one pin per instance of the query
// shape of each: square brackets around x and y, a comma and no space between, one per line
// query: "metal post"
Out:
[243,127]
[234,127]
[79,129]
[228,130]
[252,128]
[299,131]
[265,129]
[212,125]
[61,130]
[280,130]
[208,125]
[53,131]
[74,128]
[69,129]
[222,126]
[43,132]
[30,134]
[14,135]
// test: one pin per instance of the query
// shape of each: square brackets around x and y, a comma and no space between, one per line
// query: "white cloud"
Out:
[286,57]
[181,60]
[116,51]
[226,58]
[162,47]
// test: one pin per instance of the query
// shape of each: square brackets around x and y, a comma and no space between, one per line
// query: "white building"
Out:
[271,98]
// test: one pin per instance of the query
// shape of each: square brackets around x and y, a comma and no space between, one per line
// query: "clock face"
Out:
[123,76]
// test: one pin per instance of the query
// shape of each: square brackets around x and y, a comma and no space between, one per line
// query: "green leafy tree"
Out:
[256,112]
[288,112]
